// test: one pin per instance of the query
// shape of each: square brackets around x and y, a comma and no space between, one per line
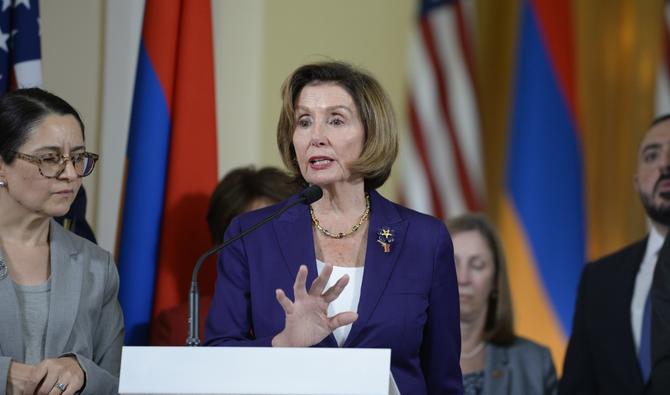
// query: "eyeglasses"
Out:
[53,165]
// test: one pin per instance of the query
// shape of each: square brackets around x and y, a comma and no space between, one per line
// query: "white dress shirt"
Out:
[643,283]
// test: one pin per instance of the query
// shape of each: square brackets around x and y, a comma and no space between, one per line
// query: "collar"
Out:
[654,245]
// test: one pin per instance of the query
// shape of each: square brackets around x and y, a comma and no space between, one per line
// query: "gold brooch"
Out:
[385,239]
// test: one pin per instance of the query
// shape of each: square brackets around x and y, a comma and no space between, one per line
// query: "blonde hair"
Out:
[380,146]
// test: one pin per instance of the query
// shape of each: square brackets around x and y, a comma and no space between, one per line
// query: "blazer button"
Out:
[497,373]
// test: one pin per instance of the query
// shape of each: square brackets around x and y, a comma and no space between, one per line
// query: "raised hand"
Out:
[307,321]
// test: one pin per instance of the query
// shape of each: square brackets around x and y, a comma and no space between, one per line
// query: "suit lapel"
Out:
[627,350]
[378,264]
[66,283]
[11,342]
[296,242]
[496,371]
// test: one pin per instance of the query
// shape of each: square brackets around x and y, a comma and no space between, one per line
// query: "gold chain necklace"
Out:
[354,228]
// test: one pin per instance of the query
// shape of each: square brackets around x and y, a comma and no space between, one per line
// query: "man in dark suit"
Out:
[611,344]
[659,382]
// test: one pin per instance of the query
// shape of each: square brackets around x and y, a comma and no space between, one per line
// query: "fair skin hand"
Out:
[475,271]
[41,379]
[307,321]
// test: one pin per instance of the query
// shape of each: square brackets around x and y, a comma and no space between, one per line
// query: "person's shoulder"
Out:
[418,217]
[523,345]
[524,351]
[624,258]
[70,240]
[410,215]
[422,231]
[534,361]
[249,218]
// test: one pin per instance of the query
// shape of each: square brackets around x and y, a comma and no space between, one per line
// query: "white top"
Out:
[348,299]
[643,284]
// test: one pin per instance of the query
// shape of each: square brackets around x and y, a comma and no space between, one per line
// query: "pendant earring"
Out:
[3,183]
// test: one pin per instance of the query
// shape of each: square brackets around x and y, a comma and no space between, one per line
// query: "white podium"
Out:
[257,371]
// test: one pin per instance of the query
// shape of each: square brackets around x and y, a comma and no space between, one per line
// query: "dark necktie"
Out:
[645,341]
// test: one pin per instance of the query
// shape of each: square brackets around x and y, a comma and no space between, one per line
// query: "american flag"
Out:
[663,75]
[442,166]
[20,55]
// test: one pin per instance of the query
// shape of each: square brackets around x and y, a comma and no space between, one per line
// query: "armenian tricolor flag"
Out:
[543,221]
[171,161]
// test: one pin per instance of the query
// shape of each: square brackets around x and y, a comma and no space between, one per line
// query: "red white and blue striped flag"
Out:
[171,163]
[442,166]
[20,54]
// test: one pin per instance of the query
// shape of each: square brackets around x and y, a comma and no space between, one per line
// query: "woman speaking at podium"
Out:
[61,327]
[352,269]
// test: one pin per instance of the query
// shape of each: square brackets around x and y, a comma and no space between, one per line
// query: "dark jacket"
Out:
[601,356]
[409,295]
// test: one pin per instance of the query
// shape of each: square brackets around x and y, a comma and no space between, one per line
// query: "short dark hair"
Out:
[659,119]
[380,146]
[239,188]
[21,110]
[499,325]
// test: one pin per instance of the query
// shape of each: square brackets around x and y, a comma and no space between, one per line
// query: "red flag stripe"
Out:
[422,151]
[192,168]
[464,41]
[442,87]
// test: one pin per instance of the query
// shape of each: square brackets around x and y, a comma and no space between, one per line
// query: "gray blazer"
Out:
[85,318]
[524,368]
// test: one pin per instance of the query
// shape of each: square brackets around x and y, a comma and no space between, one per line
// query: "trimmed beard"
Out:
[657,213]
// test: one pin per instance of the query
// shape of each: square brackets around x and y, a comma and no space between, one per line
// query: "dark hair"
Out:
[239,188]
[499,326]
[380,146]
[659,119]
[21,110]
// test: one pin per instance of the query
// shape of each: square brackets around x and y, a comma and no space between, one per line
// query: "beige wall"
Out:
[372,34]
[72,60]
[258,43]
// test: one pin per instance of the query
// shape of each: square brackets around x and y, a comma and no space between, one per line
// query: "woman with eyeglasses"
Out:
[61,326]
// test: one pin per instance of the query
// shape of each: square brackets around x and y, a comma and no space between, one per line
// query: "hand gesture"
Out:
[54,376]
[307,321]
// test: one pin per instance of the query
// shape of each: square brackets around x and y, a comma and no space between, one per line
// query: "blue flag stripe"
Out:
[544,176]
[148,146]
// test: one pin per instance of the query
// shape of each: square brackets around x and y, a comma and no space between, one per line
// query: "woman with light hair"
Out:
[352,269]
[493,359]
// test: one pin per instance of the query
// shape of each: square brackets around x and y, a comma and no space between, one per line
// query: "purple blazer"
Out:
[409,297]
